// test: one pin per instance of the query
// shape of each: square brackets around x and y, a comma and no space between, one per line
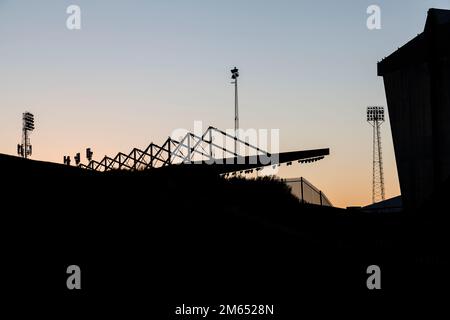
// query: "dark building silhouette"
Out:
[417,84]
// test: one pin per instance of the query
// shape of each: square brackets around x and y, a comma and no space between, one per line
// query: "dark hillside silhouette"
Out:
[185,234]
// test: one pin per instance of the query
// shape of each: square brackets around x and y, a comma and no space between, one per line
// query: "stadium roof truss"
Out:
[192,149]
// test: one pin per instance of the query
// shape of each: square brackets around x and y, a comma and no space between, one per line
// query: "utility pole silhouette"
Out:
[375,116]
[234,76]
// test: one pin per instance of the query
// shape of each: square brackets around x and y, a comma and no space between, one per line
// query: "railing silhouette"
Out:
[306,192]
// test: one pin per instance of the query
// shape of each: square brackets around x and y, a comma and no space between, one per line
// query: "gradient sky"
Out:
[139,69]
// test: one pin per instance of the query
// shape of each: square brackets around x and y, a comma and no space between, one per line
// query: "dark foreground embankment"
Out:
[148,241]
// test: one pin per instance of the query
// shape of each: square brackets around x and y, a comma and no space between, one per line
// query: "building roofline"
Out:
[424,47]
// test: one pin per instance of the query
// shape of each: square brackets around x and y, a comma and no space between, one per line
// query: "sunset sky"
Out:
[137,70]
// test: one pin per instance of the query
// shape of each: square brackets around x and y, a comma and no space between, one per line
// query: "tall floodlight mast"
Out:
[375,116]
[25,149]
[234,76]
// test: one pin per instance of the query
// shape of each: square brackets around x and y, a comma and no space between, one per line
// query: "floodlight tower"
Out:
[375,116]
[234,76]
[25,149]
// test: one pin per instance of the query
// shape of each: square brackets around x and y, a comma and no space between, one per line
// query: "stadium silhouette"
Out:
[184,233]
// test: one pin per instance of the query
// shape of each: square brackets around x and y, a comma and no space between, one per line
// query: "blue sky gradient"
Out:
[139,69]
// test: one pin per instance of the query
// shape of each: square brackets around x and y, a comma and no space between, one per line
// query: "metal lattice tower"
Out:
[25,149]
[375,116]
